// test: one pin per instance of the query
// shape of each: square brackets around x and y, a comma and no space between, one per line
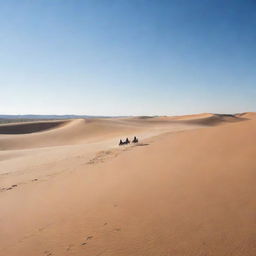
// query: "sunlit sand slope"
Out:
[55,133]
[70,132]
[183,192]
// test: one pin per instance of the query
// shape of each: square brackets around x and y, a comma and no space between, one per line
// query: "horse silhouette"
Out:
[127,141]
[124,142]
[135,140]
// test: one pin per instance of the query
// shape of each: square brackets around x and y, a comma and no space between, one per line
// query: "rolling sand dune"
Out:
[56,133]
[70,132]
[248,115]
[188,188]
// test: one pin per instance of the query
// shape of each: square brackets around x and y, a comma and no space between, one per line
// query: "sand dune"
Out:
[214,119]
[191,117]
[188,188]
[198,119]
[248,115]
[70,132]
[56,133]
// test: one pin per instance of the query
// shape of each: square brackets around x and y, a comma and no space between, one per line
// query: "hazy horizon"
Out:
[122,58]
[126,115]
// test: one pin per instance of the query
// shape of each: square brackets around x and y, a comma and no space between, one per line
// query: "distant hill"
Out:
[49,116]
[28,118]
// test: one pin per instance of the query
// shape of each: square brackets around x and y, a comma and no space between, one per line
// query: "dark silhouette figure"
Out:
[135,140]
[121,143]
[127,141]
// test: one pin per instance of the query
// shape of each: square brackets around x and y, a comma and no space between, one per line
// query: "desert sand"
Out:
[187,188]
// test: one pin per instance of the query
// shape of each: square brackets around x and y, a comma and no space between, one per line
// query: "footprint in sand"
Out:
[13,186]
[48,253]
[69,247]
[88,238]
[101,157]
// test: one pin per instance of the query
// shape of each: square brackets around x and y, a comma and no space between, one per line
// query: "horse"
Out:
[127,141]
[135,140]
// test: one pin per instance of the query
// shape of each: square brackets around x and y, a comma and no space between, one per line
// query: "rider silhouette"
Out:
[135,140]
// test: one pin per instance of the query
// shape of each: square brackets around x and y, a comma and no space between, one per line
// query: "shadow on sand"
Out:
[142,144]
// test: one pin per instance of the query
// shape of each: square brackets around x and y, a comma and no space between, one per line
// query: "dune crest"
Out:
[79,131]
[248,115]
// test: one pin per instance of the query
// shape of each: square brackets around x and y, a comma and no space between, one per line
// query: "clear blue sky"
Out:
[127,57]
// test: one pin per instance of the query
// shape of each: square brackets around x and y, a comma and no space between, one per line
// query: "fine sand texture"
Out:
[186,189]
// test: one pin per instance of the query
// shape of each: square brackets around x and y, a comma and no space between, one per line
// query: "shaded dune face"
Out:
[247,115]
[31,127]
[215,119]
[198,119]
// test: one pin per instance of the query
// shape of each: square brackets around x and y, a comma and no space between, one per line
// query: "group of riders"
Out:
[135,140]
